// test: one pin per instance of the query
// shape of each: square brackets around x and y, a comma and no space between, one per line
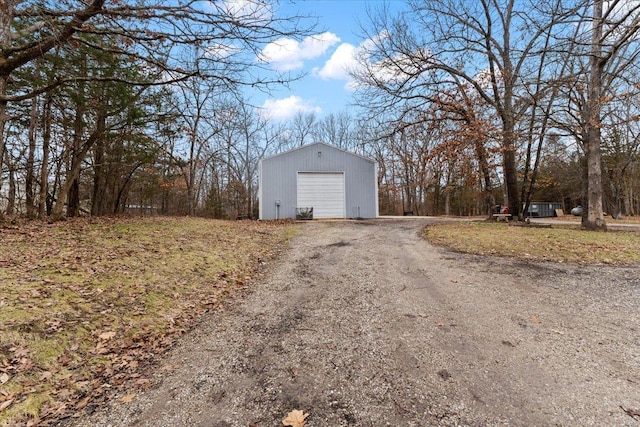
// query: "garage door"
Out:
[324,191]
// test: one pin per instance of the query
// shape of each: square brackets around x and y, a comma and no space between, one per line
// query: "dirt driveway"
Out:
[366,324]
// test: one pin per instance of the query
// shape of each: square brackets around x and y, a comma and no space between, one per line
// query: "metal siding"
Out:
[324,192]
[279,176]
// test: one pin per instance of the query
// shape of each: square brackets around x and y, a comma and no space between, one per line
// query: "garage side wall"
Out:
[279,176]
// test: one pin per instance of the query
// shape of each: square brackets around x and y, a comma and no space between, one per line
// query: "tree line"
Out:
[108,104]
[498,79]
[110,107]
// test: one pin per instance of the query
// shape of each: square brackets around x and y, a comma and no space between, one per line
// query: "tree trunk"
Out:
[75,160]
[481,154]
[73,189]
[121,196]
[73,174]
[11,196]
[99,180]
[44,168]
[628,199]
[447,193]
[3,122]
[30,172]
[6,17]
[594,218]
[510,168]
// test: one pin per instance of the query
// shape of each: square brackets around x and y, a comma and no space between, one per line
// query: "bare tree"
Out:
[17,46]
[158,33]
[302,128]
[336,129]
[158,38]
[601,50]
[198,108]
[257,137]
[465,110]
[493,46]
[621,152]
[612,52]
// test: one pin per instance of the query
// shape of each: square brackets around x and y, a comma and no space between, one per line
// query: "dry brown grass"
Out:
[85,304]
[608,219]
[561,244]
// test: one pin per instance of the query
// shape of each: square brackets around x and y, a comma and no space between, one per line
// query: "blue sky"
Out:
[323,57]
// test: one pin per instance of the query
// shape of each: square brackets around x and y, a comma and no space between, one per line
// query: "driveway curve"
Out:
[364,323]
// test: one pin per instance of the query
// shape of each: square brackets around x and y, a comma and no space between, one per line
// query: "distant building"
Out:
[331,182]
[543,209]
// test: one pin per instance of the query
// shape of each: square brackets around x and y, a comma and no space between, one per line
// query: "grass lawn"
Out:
[559,243]
[85,303]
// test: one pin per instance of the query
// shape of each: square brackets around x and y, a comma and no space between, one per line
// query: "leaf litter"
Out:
[88,304]
[295,418]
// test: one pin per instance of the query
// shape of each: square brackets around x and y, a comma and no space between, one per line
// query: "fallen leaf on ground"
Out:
[21,352]
[128,398]
[106,336]
[100,348]
[143,383]
[4,405]
[295,418]
[170,367]
[83,403]
[61,267]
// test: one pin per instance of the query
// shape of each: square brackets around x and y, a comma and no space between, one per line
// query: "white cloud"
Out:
[246,11]
[393,69]
[287,54]
[377,40]
[287,108]
[221,51]
[340,64]
[347,60]
[314,46]
[283,54]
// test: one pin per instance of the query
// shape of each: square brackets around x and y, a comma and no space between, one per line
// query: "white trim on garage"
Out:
[324,192]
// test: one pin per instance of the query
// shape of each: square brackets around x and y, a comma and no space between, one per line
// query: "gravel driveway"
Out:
[366,324]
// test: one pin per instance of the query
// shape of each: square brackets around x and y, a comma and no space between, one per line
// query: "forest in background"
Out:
[115,107]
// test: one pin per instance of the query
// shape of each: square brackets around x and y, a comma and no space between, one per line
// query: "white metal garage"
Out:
[324,191]
[336,183]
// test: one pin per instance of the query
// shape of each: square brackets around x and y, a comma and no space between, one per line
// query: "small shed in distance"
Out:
[543,209]
[334,182]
